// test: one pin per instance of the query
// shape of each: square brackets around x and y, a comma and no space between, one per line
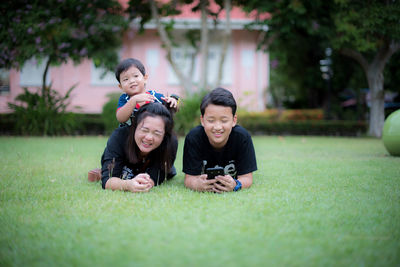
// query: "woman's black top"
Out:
[114,161]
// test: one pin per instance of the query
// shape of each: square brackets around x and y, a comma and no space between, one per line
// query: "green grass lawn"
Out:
[315,201]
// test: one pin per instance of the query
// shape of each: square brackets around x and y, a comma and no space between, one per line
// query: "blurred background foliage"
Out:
[299,34]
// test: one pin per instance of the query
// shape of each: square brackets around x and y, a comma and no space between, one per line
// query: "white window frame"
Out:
[97,79]
[181,57]
[4,81]
[32,73]
[213,64]
[248,58]
[152,59]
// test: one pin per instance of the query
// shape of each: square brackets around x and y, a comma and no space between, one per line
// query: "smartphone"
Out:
[213,172]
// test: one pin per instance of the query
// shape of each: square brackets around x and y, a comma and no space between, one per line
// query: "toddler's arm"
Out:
[123,113]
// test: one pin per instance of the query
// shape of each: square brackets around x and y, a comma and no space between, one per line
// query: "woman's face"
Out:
[149,134]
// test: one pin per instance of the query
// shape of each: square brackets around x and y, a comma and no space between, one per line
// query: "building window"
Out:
[4,81]
[248,58]
[214,56]
[102,77]
[152,59]
[183,57]
[32,73]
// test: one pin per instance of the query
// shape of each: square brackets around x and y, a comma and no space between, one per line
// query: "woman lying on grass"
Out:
[142,155]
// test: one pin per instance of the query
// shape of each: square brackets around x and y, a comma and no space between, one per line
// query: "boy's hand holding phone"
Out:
[204,184]
[214,172]
[224,183]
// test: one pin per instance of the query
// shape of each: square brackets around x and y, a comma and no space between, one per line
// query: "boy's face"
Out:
[132,81]
[218,122]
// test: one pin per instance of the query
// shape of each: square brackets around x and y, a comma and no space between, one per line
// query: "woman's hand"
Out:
[141,183]
[226,184]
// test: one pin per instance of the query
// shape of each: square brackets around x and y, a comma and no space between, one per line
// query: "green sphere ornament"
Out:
[391,133]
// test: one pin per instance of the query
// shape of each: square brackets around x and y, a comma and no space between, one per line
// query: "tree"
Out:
[56,31]
[147,10]
[296,41]
[367,31]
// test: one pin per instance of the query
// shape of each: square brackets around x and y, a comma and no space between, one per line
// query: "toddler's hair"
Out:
[126,64]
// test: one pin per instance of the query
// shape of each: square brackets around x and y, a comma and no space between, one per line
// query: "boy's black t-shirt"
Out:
[237,157]
[116,149]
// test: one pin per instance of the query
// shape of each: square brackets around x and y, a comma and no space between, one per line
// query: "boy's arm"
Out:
[246,179]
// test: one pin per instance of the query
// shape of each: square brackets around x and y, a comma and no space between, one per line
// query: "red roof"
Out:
[186,12]
[236,13]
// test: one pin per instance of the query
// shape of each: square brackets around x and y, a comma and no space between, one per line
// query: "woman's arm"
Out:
[141,183]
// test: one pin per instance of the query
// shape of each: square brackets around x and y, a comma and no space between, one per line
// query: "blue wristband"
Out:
[238,185]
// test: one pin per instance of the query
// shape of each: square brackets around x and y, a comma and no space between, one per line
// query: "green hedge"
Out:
[315,127]
[85,124]
[90,124]
[93,124]
[298,122]
[7,124]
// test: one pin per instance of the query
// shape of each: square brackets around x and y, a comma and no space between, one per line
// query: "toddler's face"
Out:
[132,81]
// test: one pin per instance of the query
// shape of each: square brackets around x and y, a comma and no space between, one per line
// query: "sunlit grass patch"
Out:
[315,201]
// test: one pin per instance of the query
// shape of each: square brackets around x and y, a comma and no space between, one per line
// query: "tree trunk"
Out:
[225,42]
[185,81]
[374,74]
[46,70]
[377,102]
[204,45]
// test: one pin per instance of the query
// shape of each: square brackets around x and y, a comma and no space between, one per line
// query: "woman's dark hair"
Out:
[165,153]
[126,64]
[220,97]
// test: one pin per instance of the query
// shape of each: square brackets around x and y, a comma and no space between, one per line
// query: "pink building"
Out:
[246,70]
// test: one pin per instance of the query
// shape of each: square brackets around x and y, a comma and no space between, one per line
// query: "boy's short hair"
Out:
[220,97]
[126,64]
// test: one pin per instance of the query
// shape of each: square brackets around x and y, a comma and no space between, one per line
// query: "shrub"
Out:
[258,125]
[188,115]
[7,123]
[43,114]
[108,113]
[285,115]
[89,124]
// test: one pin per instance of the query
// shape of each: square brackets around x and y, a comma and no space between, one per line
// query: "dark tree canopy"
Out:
[59,30]
[366,31]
